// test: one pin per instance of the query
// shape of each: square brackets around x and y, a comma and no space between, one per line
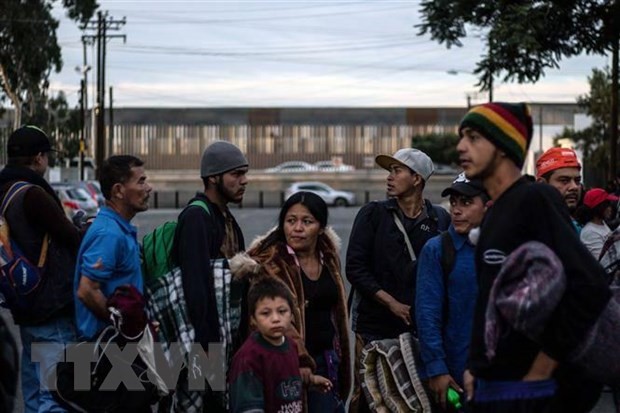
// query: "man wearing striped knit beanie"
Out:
[524,374]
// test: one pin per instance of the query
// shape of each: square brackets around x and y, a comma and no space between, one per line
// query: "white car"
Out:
[73,199]
[330,166]
[292,166]
[329,194]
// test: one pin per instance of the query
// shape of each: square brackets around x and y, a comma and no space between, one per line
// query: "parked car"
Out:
[292,166]
[94,190]
[330,166]
[443,169]
[329,194]
[74,199]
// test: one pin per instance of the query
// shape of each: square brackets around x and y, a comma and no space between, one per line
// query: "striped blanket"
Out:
[390,378]
[166,304]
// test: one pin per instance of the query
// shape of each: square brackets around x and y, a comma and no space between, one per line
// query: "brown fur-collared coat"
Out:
[277,262]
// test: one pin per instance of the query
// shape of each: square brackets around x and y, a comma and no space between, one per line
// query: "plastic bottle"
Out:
[454,399]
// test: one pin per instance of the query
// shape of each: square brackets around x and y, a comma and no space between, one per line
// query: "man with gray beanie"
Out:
[207,230]
[381,259]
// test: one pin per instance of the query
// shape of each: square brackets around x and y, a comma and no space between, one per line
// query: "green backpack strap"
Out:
[157,247]
[201,204]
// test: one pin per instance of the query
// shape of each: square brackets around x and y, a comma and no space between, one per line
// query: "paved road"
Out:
[256,222]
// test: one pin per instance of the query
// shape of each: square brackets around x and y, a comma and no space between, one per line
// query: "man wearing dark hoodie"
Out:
[202,236]
[32,214]
[524,375]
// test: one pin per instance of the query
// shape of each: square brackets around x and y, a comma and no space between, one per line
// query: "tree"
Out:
[525,38]
[441,148]
[61,123]
[594,141]
[596,103]
[29,49]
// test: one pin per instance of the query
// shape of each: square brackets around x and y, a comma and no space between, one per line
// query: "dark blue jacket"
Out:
[444,343]
[378,259]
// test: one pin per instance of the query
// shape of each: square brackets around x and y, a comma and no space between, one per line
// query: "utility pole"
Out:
[82,126]
[615,67]
[111,124]
[101,26]
[84,107]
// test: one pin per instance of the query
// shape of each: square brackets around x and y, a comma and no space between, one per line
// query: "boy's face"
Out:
[272,318]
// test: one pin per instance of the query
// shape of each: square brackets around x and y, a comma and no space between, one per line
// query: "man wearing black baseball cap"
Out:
[28,141]
[35,212]
[447,289]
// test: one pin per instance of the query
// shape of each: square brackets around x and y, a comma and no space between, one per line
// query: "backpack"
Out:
[18,276]
[157,247]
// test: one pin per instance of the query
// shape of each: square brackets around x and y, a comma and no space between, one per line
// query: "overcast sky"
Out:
[290,53]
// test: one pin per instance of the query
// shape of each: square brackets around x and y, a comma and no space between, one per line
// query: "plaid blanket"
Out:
[524,295]
[166,304]
[527,291]
[390,378]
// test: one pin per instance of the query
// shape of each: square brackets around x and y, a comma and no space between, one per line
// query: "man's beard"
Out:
[225,193]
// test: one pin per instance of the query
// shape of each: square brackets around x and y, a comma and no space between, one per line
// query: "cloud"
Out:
[293,54]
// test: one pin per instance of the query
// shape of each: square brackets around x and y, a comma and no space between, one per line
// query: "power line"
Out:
[271,17]
[248,10]
[178,51]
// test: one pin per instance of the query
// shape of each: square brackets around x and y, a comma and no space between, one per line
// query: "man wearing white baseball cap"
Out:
[386,238]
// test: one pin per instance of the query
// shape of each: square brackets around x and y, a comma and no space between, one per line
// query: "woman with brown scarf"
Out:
[303,253]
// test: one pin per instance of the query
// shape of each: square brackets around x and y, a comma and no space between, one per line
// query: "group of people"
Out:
[413,268]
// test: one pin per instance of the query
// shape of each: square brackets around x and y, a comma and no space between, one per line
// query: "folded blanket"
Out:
[524,294]
[390,378]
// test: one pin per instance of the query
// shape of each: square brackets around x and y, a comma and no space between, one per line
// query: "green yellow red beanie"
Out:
[507,125]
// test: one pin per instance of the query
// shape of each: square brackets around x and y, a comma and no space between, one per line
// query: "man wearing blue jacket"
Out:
[447,289]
